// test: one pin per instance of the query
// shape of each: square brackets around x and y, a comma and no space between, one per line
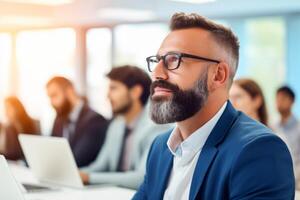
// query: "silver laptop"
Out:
[51,160]
[9,188]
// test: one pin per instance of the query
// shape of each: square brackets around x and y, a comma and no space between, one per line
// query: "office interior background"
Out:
[84,39]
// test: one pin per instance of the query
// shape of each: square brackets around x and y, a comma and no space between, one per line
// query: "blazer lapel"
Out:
[210,150]
[165,167]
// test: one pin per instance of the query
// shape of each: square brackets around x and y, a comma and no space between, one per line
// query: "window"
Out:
[99,64]
[41,55]
[136,42]
[5,59]
[263,55]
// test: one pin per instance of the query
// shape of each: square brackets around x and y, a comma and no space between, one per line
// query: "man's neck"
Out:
[254,115]
[74,102]
[190,125]
[133,112]
[285,117]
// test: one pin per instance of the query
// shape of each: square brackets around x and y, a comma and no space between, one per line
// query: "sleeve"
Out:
[141,193]
[100,163]
[263,170]
[131,179]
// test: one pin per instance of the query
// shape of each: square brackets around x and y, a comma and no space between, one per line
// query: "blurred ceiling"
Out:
[48,13]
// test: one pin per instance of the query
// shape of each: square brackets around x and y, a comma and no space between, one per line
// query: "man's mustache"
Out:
[163,84]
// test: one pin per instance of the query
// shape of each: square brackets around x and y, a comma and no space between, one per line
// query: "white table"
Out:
[23,174]
[109,193]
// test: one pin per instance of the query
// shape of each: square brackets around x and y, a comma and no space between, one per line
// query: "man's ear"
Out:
[136,92]
[220,76]
[257,101]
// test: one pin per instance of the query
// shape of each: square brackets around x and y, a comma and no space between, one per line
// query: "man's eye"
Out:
[172,59]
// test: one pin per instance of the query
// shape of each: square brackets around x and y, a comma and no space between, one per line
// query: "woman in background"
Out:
[247,96]
[18,121]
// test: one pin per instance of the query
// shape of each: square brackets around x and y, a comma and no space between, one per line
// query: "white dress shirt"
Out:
[186,153]
[69,128]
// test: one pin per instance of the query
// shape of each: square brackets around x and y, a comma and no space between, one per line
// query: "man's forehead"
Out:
[187,40]
[116,83]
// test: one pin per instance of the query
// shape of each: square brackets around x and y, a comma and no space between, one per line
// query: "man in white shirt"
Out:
[215,152]
[288,125]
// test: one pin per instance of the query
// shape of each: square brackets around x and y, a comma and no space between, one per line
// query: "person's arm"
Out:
[101,161]
[131,179]
[263,170]
[11,148]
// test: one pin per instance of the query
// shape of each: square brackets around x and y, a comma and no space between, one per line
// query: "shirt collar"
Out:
[133,123]
[290,124]
[196,140]
[74,115]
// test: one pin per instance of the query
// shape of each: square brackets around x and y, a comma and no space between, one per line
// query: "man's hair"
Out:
[132,76]
[60,81]
[223,35]
[288,91]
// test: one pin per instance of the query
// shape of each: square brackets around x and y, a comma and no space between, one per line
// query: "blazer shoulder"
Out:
[247,132]
[88,114]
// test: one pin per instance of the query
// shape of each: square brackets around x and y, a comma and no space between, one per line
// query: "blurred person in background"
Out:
[288,124]
[18,121]
[247,96]
[122,160]
[76,121]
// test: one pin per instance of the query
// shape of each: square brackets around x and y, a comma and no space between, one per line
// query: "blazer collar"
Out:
[210,149]
[165,167]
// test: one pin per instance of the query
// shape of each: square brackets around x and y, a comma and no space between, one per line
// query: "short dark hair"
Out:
[132,76]
[288,91]
[222,34]
[61,81]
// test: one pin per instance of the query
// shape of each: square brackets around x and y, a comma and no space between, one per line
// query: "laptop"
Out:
[51,160]
[9,188]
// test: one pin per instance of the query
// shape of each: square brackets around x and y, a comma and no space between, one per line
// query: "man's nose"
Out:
[160,72]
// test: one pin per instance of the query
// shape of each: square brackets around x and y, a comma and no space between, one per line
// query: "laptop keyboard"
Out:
[35,188]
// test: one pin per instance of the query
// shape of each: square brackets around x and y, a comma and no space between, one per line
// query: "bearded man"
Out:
[122,160]
[76,121]
[215,152]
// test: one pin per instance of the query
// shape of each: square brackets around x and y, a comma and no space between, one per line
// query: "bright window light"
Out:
[125,14]
[42,2]
[195,1]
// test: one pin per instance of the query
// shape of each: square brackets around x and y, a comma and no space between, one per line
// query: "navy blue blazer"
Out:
[89,136]
[241,159]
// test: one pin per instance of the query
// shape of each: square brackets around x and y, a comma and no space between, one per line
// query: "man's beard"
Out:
[183,103]
[64,110]
[124,109]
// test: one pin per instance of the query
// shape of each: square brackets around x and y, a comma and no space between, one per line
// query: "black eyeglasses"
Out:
[172,60]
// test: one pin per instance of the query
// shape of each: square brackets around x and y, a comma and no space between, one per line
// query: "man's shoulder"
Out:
[246,131]
[88,114]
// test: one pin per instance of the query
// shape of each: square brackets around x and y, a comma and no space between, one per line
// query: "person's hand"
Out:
[84,177]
